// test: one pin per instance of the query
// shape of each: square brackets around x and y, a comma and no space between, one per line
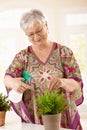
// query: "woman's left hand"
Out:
[70,85]
[56,82]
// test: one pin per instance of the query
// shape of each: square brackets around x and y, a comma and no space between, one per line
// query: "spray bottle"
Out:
[15,96]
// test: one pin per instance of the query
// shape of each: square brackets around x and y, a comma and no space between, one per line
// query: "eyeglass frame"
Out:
[38,32]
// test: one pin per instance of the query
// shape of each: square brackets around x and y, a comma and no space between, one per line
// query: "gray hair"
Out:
[30,17]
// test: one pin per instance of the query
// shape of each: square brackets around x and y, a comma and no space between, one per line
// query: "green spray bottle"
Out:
[15,96]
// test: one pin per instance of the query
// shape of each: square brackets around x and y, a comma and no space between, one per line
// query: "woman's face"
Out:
[37,33]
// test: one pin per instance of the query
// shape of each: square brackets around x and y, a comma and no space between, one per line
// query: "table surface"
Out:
[13,122]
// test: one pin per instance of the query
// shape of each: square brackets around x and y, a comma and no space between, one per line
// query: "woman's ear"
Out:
[46,24]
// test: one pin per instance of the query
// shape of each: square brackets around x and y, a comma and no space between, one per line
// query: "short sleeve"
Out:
[19,62]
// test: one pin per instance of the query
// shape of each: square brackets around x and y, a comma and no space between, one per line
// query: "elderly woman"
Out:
[51,64]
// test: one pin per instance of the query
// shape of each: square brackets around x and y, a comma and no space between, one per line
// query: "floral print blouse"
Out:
[60,62]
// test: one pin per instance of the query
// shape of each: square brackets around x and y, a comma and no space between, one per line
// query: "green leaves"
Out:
[4,103]
[51,102]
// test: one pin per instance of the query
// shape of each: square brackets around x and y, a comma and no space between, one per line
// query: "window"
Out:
[76,19]
[10,39]
[74,35]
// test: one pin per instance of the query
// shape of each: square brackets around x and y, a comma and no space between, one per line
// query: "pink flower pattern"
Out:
[45,75]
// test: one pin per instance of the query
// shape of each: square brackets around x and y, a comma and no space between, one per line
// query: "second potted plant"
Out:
[50,105]
[4,107]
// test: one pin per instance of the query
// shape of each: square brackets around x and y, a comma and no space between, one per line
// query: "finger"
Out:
[20,90]
[53,81]
[53,85]
[56,83]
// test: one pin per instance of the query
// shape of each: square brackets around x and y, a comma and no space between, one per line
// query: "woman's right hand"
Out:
[16,83]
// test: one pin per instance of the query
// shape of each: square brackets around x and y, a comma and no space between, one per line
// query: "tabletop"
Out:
[13,122]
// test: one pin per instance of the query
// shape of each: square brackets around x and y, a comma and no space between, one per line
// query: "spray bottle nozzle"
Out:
[26,76]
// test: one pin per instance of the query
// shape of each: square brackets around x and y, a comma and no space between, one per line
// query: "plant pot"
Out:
[51,122]
[2,117]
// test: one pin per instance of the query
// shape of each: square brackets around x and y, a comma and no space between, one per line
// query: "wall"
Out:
[51,7]
[55,4]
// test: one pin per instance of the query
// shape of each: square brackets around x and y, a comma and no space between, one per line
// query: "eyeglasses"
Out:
[38,32]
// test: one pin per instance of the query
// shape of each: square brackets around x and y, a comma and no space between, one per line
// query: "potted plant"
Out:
[50,104]
[4,107]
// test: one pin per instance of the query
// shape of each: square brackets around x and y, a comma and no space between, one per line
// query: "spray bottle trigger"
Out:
[23,80]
